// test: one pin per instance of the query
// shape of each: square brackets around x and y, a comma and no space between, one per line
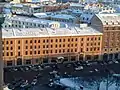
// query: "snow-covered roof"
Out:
[30,20]
[48,32]
[109,19]
[63,16]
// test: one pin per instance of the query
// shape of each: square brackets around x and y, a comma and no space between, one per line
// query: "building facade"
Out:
[46,45]
[109,25]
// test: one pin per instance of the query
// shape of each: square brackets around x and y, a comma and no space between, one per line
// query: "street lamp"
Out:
[2,3]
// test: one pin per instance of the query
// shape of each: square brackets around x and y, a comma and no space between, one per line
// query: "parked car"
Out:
[34,82]
[79,68]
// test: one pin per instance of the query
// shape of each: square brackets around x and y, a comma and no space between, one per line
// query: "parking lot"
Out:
[39,75]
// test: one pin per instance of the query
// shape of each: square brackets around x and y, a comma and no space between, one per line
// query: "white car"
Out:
[79,68]
[34,81]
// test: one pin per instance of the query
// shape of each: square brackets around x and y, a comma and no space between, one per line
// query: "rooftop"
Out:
[109,19]
[63,16]
[48,32]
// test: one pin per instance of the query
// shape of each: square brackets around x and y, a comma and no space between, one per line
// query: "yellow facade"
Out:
[34,50]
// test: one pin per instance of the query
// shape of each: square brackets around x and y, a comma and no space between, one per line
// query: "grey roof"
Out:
[109,19]
[48,32]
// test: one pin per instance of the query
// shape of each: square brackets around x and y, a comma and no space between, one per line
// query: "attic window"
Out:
[106,23]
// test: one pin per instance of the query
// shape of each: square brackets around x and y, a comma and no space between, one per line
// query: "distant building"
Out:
[45,45]
[109,25]
[26,22]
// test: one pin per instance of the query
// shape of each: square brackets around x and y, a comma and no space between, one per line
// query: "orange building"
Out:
[109,25]
[47,45]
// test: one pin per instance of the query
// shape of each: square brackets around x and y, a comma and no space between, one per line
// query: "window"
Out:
[30,41]
[55,51]
[75,45]
[35,41]
[90,49]
[38,52]
[72,39]
[30,47]
[47,40]
[7,48]
[76,39]
[26,41]
[51,40]
[35,47]
[92,39]
[63,40]
[81,49]
[47,46]
[43,46]
[26,53]
[18,53]
[56,45]
[11,42]
[68,45]
[68,50]
[59,51]
[30,52]
[38,46]
[18,47]
[110,49]
[87,39]
[99,38]
[60,45]
[43,51]
[105,49]
[11,53]
[34,52]
[7,42]
[98,43]
[56,40]
[94,43]
[75,50]
[9,63]
[51,46]
[51,51]
[81,44]
[18,41]
[3,54]
[26,47]
[7,53]
[98,48]
[71,45]
[38,41]
[68,40]
[28,62]
[87,44]
[11,48]
[63,50]
[81,39]
[94,48]
[59,40]
[71,50]
[2,42]
[87,49]
[63,45]
[2,48]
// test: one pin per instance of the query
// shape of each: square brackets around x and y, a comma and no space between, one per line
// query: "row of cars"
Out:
[21,83]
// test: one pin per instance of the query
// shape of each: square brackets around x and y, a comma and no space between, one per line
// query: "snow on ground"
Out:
[75,83]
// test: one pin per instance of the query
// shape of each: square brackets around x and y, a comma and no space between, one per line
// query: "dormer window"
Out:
[106,23]
[112,23]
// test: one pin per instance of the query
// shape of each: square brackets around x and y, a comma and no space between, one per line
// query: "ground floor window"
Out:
[96,57]
[105,57]
[88,57]
[110,56]
[45,60]
[28,61]
[73,58]
[19,61]
[9,63]
[116,55]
